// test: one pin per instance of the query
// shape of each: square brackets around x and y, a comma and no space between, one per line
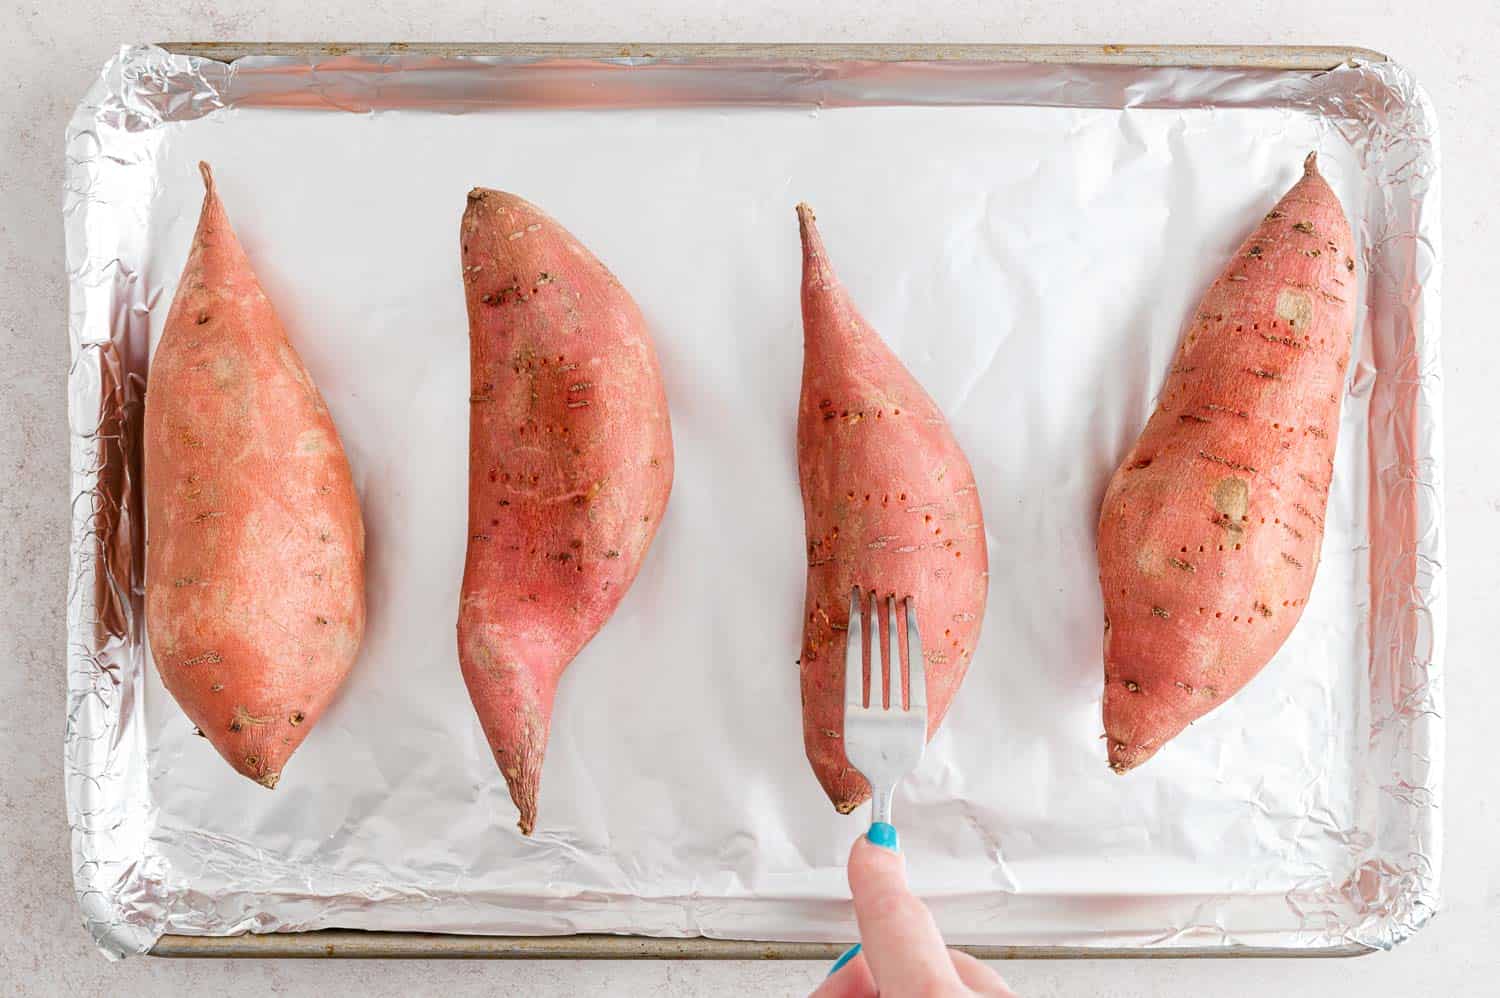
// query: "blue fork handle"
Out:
[883,834]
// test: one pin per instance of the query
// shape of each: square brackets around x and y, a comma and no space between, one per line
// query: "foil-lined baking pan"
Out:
[1029,228]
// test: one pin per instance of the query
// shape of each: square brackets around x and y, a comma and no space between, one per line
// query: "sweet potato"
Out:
[890,505]
[1211,528]
[255,598]
[570,466]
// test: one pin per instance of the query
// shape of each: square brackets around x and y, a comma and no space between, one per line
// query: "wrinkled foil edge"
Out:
[124,895]
[1395,892]
[110,136]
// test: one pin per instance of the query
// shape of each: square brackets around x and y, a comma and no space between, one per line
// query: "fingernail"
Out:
[884,835]
[849,954]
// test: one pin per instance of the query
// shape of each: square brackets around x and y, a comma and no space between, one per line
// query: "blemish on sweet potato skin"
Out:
[1243,498]
[254,523]
[571,451]
[889,503]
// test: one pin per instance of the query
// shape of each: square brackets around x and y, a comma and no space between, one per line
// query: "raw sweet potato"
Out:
[1211,528]
[570,465]
[255,588]
[890,505]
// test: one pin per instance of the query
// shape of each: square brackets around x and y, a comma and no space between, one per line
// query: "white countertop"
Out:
[52,49]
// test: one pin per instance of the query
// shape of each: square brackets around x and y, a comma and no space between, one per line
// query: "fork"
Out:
[883,741]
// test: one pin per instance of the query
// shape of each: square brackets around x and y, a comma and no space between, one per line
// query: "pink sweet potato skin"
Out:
[1211,528]
[890,505]
[255,600]
[570,466]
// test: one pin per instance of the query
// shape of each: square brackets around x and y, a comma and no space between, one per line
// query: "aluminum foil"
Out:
[1030,239]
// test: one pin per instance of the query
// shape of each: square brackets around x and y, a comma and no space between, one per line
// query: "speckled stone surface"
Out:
[51,49]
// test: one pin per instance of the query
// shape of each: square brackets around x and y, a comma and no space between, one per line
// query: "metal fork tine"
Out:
[891,655]
[916,670]
[854,654]
[884,741]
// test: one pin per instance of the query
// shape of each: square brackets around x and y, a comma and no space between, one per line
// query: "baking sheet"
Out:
[1029,239]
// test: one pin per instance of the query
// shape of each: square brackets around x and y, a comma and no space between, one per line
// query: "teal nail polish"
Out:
[849,954]
[884,835]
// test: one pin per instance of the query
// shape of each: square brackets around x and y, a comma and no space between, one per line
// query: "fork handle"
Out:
[880,805]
